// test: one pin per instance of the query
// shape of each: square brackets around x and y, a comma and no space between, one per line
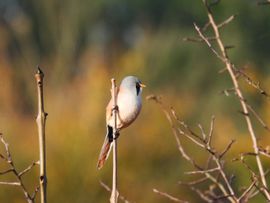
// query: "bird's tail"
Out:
[106,147]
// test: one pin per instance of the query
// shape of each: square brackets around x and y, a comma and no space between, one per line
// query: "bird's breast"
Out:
[129,106]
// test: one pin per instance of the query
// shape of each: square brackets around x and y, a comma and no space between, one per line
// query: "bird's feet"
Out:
[115,108]
[117,134]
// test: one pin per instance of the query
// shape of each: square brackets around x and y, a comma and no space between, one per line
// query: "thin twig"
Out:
[227,92]
[227,21]
[10,183]
[35,192]
[264,152]
[250,81]
[226,149]
[170,197]
[191,138]
[41,120]
[258,117]
[232,195]
[28,168]
[202,171]
[202,132]
[201,194]
[210,135]
[195,182]
[185,126]
[247,191]
[6,171]
[208,43]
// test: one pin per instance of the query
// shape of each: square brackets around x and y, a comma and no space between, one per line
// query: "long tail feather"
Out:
[106,148]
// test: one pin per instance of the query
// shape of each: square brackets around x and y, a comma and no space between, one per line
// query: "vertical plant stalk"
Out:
[41,120]
[114,194]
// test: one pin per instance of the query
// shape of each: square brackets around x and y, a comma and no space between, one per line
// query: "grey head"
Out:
[132,83]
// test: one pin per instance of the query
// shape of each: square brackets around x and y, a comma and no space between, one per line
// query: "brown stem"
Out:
[170,197]
[41,120]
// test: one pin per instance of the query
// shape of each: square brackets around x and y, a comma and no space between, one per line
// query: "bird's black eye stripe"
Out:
[138,88]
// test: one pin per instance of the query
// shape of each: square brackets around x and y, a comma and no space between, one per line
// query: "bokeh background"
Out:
[80,45]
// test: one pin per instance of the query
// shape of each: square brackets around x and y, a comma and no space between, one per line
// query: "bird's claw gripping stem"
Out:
[115,108]
[117,134]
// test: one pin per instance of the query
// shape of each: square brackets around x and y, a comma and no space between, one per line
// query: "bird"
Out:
[129,104]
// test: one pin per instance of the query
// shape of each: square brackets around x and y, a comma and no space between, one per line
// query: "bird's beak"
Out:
[142,85]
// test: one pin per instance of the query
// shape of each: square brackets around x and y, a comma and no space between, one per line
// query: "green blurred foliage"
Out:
[80,45]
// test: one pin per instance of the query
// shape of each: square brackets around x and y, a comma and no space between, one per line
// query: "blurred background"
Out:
[80,45]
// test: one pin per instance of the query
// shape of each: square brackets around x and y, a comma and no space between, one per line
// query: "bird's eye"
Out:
[138,88]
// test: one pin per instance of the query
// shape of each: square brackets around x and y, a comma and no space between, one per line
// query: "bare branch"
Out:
[10,183]
[206,26]
[256,192]
[207,146]
[250,81]
[226,149]
[223,56]
[185,126]
[106,187]
[227,92]
[2,156]
[19,181]
[222,197]
[210,135]
[195,182]
[202,132]
[190,159]
[191,138]
[258,117]
[35,192]
[28,168]
[242,159]
[264,152]
[202,171]
[6,171]
[201,195]
[208,43]
[174,130]
[227,182]
[170,197]
[227,21]
[247,191]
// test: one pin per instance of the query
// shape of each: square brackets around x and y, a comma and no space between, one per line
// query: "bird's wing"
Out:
[109,108]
